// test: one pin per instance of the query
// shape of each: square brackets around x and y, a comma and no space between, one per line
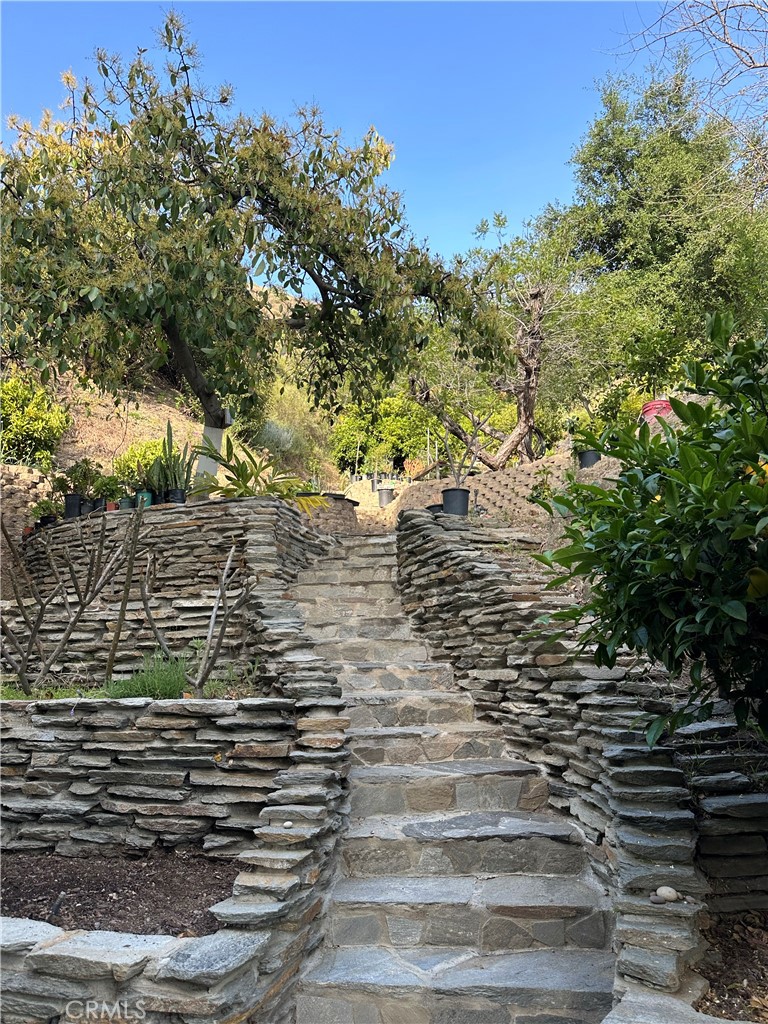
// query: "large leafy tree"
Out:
[139,228]
[662,207]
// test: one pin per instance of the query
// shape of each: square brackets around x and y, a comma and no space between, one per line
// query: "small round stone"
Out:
[657,899]
[667,893]
[287,824]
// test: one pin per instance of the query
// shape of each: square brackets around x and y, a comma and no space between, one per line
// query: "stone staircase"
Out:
[460,901]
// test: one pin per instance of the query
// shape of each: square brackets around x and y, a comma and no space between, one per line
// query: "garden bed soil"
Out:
[165,893]
[736,967]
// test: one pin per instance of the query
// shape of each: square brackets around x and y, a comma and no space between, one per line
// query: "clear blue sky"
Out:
[484,102]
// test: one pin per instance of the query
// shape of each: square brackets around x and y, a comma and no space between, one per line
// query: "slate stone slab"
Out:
[18,934]
[210,959]
[99,954]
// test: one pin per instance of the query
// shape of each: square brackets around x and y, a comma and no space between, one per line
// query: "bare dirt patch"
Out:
[165,893]
[736,967]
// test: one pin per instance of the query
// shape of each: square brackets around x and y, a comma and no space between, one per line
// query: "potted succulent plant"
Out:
[76,484]
[175,469]
[151,489]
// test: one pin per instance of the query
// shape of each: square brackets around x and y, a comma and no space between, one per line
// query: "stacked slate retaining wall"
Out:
[183,550]
[261,779]
[649,817]
[22,487]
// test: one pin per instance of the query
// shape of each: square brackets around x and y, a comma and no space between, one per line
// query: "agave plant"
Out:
[248,475]
[177,466]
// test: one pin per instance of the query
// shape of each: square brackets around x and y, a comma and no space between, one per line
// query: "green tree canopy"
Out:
[141,227]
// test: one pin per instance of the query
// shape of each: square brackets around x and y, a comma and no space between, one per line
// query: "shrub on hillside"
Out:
[677,552]
[136,460]
[33,423]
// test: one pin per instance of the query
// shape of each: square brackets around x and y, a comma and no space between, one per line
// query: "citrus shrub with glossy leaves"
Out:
[676,553]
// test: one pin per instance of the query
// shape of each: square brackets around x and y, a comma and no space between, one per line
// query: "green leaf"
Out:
[735,609]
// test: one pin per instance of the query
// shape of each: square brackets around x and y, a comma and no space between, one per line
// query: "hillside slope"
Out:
[101,430]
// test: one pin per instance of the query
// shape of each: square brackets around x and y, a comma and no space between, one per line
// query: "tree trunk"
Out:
[529,340]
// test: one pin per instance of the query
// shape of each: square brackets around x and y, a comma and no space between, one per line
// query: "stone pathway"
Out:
[461,901]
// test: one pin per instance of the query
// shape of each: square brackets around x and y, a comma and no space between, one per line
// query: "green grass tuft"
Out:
[160,679]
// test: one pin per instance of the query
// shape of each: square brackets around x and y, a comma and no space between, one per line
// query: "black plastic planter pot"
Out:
[386,494]
[72,506]
[47,520]
[435,508]
[587,459]
[99,504]
[125,503]
[177,496]
[86,507]
[456,501]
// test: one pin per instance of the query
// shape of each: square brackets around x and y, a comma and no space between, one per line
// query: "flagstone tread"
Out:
[480,825]
[440,769]
[553,978]
[508,892]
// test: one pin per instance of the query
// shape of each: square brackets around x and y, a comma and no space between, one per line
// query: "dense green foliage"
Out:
[382,439]
[33,423]
[677,551]
[160,679]
[131,467]
[666,218]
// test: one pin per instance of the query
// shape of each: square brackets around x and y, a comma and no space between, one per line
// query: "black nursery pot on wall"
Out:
[456,501]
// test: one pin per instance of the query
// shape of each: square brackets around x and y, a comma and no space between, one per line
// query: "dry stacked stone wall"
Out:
[262,780]
[184,549]
[477,595]
[21,488]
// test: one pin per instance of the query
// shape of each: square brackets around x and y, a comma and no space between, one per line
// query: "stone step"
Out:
[340,573]
[316,610]
[360,627]
[350,592]
[455,986]
[376,675]
[487,915]
[483,842]
[425,743]
[366,650]
[493,785]
[409,707]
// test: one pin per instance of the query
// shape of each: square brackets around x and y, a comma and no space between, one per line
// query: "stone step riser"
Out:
[428,709]
[372,856]
[361,650]
[337,594]
[444,747]
[363,629]
[340,1005]
[359,611]
[343,576]
[381,675]
[477,793]
[479,928]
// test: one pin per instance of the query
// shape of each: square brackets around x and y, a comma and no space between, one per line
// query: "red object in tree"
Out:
[658,407]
